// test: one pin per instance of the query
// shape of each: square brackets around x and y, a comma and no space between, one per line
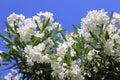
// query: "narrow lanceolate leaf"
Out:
[9,28]
[48,33]
[75,29]
[111,17]
[56,32]
[79,26]
[56,44]
[38,28]
[86,50]
[106,35]
[77,49]
[5,56]
[35,41]
[5,39]
[68,58]
[15,27]
[63,37]
[45,23]
[94,36]
[82,42]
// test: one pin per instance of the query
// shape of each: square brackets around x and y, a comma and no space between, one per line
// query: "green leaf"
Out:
[94,36]
[15,27]
[48,33]
[110,19]
[106,35]
[111,16]
[68,58]
[75,29]
[5,39]
[79,26]
[77,49]
[86,50]
[45,23]
[63,37]
[9,28]
[82,42]
[56,44]
[38,28]
[5,56]
[35,41]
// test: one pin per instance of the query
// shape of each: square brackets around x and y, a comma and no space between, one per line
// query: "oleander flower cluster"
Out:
[37,48]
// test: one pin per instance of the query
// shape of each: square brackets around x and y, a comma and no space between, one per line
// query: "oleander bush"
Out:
[38,49]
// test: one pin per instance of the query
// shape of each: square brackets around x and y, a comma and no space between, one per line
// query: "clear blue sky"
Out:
[67,12]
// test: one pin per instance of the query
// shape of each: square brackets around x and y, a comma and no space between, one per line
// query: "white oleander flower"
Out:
[116,18]
[38,34]
[35,54]
[46,59]
[72,52]
[27,49]
[40,47]
[85,34]
[90,55]
[57,68]
[62,49]
[59,59]
[93,19]
[15,18]
[116,37]
[111,29]
[56,24]
[70,41]
[109,47]
[8,76]
[25,33]
[14,75]
[37,18]
[26,30]
[61,75]
[47,15]
[29,22]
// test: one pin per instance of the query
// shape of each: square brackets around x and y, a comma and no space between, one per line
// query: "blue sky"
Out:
[67,12]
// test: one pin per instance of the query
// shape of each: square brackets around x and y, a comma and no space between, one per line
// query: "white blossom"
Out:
[116,18]
[13,75]
[8,76]
[90,55]
[93,19]
[35,54]
[62,49]
[111,29]
[26,30]
[47,15]
[85,34]
[38,34]
[15,18]
[73,53]
[109,47]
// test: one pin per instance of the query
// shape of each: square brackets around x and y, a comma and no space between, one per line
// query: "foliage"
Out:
[38,50]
